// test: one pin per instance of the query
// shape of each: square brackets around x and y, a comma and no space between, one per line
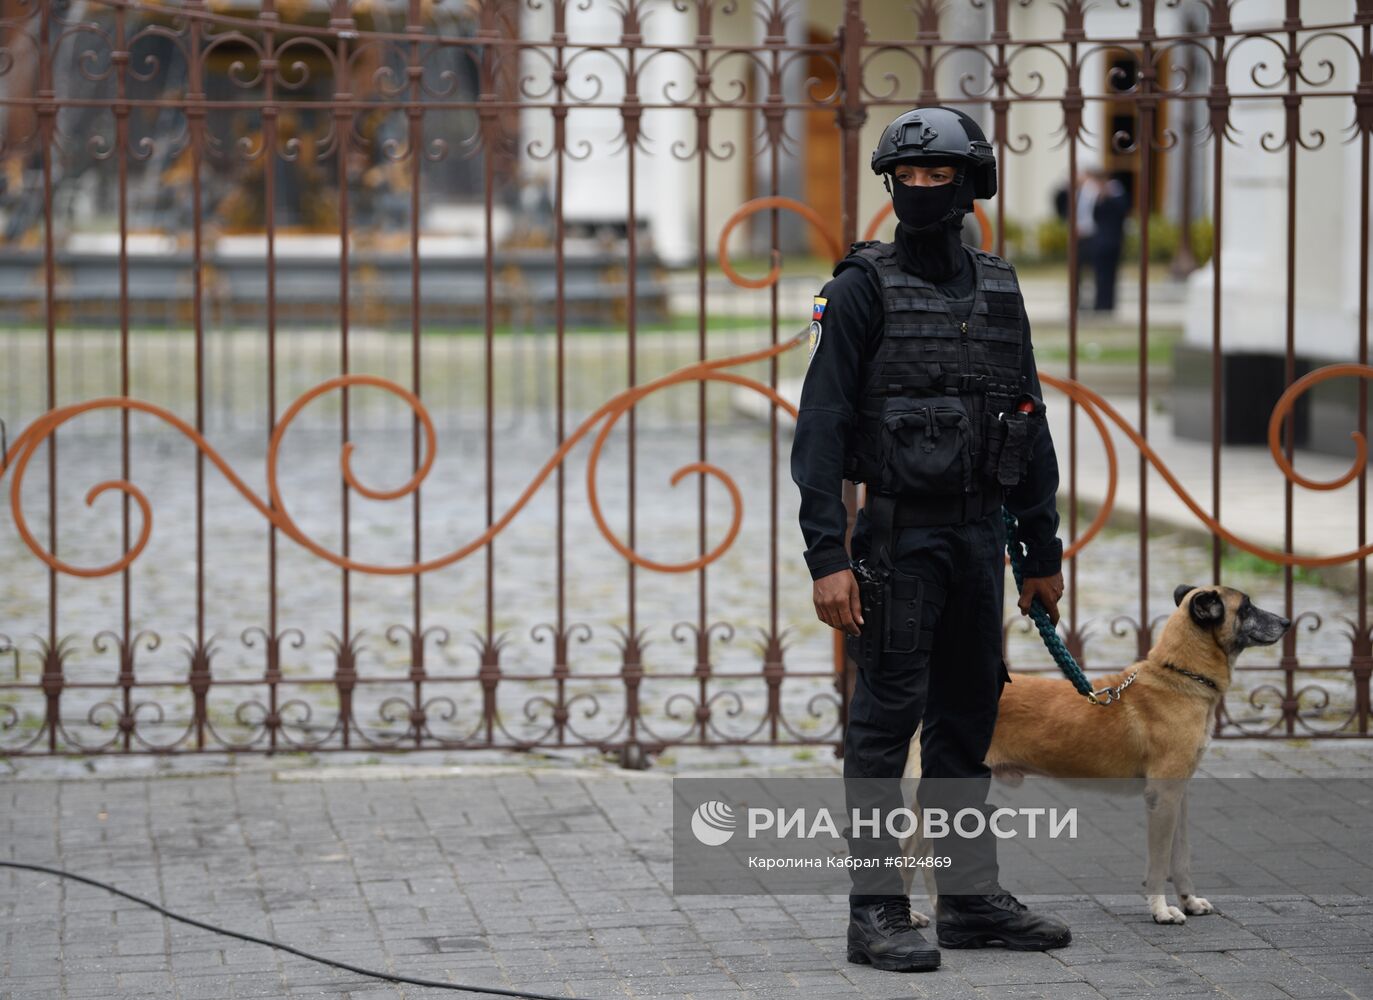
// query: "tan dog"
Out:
[1157,731]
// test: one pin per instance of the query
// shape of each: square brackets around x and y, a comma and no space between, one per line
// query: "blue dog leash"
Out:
[1040,616]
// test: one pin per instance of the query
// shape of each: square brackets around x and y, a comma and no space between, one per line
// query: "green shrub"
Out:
[1051,240]
[1165,236]
[1203,240]
[1015,240]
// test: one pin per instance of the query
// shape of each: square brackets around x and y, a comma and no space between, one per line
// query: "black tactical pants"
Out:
[952,680]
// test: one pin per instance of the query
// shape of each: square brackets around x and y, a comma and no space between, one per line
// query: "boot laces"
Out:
[894,914]
[1004,899]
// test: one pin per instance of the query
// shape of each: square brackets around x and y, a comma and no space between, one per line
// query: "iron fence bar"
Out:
[366,679]
[702,637]
[345,673]
[1145,143]
[927,14]
[270,124]
[200,672]
[414,122]
[561,656]
[1292,134]
[1361,660]
[1072,110]
[47,118]
[127,676]
[775,124]
[1000,36]
[630,112]
[357,106]
[490,663]
[852,115]
[1219,104]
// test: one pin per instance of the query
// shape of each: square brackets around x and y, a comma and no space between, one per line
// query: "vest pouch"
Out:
[1010,439]
[994,438]
[926,446]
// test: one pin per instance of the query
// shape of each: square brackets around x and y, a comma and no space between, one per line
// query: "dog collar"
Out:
[1196,677]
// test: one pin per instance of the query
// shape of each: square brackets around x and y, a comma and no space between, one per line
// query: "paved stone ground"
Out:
[551,875]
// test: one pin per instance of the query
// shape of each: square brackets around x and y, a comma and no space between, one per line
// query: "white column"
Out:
[1255,193]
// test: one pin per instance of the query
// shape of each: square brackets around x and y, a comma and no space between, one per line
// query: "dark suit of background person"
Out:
[1102,208]
[905,336]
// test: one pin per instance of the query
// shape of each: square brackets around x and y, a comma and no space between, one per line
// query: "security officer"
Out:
[922,385]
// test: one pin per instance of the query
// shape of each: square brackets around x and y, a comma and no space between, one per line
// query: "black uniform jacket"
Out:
[851,332]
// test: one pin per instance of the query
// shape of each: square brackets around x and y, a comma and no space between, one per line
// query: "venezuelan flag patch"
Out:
[817,312]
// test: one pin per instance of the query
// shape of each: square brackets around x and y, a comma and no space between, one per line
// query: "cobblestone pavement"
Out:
[551,875]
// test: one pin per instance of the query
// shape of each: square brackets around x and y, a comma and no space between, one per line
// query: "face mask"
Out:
[922,208]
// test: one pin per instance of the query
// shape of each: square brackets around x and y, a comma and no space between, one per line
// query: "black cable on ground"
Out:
[369,973]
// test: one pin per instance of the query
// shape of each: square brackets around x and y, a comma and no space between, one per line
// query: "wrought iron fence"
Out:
[219,143]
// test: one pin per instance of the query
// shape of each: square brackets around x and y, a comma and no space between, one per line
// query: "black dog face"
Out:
[1237,621]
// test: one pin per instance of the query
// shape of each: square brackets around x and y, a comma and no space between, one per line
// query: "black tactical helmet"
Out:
[939,134]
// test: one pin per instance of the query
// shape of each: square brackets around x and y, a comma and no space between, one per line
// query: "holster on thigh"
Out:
[893,626]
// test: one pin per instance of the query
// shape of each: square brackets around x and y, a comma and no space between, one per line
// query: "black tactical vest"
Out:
[939,396]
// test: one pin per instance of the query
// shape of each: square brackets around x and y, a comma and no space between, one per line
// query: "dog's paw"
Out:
[1008,774]
[1196,905]
[1163,913]
[1169,915]
[919,919]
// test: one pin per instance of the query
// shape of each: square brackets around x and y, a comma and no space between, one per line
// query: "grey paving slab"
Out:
[552,879]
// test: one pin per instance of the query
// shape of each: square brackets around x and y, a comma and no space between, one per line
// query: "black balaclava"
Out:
[929,231]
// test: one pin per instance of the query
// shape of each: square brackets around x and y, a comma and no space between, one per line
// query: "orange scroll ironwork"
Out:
[1092,402]
[274,509]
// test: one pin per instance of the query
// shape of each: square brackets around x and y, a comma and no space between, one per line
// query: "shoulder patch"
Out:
[817,314]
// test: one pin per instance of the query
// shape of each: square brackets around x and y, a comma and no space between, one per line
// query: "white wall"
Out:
[596,185]
[1254,228]
[667,185]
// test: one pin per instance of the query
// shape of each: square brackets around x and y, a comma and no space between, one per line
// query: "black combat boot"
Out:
[881,935]
[975,921]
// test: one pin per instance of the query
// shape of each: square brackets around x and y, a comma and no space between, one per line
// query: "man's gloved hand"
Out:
[1047,588]
[837,603]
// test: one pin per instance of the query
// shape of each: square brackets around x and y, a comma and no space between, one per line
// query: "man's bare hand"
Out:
[1047,588]
[837,603]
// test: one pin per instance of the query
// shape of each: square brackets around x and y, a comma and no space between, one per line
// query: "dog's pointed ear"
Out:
[1207,608]
[1182,591]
